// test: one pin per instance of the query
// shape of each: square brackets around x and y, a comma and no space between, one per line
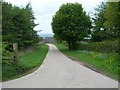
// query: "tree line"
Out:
[106,21]
[18,25]
[72,24]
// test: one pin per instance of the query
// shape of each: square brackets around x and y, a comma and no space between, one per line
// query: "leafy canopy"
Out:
[112,14]
[18,25]
[99,31]
[71,24]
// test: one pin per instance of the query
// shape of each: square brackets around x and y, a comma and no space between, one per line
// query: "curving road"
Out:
[58,71]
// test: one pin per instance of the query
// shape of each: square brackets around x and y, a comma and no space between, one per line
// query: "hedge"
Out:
[108,46]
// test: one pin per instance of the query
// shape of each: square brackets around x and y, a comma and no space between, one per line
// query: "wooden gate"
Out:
[15,56]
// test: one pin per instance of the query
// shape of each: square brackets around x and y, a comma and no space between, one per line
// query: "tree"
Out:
[18,25]
[112,14]
[0,17]
[71,24]
[0,21]
[99,30]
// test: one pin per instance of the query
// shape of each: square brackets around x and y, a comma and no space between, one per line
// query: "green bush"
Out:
[108,46]
[6,53]
[12,69]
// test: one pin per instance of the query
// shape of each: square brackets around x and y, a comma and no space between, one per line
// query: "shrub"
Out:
[108,47]
[12,69]
[6,53]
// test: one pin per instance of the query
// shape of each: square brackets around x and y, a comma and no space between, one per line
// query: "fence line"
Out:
[15,57]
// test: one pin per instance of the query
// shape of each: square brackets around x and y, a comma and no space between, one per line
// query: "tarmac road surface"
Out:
[58,71]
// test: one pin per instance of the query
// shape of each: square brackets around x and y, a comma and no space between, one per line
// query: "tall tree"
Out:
[18,25]
[71,24]
[112,14]
[99,30]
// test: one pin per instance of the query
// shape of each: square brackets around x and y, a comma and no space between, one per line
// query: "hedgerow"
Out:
[108,46]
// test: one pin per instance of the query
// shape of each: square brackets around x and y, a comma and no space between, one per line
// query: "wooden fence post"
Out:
[15,50]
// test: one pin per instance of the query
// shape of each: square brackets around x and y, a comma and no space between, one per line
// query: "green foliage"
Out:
[71,24]
[10,70]
[99,33]
[107,62]
[106,21]
[0,17]
[35,58]
[5,62]
[112,13]
[99,36]
[6,53]
[107,46]
[18,25]
[27,62]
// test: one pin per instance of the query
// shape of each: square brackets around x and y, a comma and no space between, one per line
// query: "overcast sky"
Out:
[45,9]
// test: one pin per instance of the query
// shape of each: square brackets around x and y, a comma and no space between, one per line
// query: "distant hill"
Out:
[46,35]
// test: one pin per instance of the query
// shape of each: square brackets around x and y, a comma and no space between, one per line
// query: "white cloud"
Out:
[45,9]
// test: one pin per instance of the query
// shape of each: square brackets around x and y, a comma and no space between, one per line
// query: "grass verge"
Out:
[107,62]
[28,61]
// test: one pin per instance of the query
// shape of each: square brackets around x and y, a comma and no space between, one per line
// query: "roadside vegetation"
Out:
[28,60]
[71,24]
[18,27]
[104,46]
[93,40]
[107,62]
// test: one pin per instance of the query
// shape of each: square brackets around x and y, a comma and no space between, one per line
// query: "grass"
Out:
[28,61]
[34,59]
[106,62]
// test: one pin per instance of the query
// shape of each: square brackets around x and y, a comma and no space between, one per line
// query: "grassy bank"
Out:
[28,61]
[107,62]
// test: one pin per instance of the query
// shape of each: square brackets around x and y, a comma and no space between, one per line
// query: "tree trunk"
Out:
[69,43]
[73,45]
